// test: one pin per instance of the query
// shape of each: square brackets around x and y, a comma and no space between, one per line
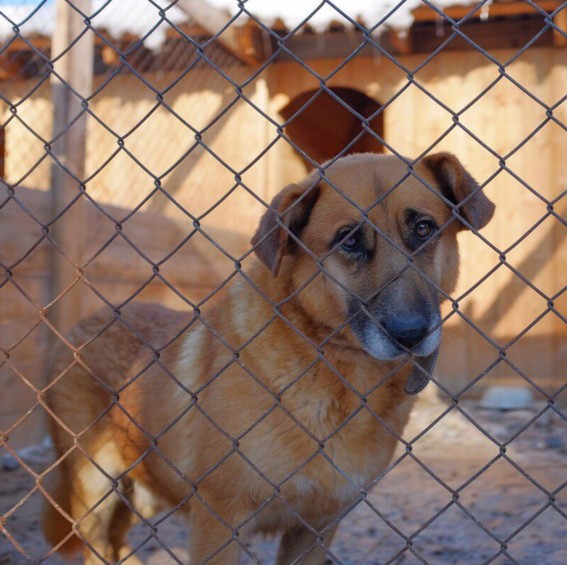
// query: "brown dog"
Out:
[274,410]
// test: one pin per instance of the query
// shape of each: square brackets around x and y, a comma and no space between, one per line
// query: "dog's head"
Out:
[371,248]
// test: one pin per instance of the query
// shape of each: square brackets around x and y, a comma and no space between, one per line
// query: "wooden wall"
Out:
[156,146]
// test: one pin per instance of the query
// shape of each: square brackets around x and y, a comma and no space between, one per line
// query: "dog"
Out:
[272,411]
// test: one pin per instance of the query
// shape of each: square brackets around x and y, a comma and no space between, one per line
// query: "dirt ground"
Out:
[528,514]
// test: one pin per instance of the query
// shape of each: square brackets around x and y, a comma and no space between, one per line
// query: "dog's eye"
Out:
[349,240]
[424,229]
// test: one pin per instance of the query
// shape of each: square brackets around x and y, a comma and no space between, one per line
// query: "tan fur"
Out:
[251,420]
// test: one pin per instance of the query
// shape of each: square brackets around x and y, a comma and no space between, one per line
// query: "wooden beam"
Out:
[40,42]
[325,45]
[12,64]
[17,54]
[421,38]
[498,9]
[246,42]
[188,28]
[489,35]
[73,70]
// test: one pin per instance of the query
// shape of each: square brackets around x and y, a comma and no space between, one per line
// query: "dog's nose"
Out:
[407,329]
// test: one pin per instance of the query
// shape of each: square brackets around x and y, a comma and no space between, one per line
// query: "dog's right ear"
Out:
[288,214]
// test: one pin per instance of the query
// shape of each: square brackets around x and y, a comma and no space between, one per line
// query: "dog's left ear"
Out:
[458,186]
[289,213]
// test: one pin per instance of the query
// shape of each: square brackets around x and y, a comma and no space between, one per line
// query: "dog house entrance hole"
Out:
[325,127]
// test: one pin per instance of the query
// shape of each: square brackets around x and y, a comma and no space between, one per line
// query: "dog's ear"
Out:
[458,186]
[289,213]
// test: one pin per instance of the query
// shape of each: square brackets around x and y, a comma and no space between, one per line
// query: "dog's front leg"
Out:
[299,545]
[211,539]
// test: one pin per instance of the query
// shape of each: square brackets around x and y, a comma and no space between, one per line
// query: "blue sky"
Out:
[21,2]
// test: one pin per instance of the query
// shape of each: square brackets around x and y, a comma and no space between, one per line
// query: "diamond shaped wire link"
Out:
[368,39]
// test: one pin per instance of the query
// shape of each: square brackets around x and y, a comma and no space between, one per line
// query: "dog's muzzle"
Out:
[400,333]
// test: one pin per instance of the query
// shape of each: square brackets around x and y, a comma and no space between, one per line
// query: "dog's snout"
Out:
[408,329]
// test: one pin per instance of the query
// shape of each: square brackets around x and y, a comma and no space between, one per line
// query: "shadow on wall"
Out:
[525,345]
[176,181]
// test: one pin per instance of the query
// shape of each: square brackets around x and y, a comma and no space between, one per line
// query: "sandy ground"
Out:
[500,506]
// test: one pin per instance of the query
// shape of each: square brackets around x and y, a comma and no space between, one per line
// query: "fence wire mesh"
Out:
[194,119]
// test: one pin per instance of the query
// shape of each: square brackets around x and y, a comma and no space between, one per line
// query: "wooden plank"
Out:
[326,45]
[245,42]
[422,38]
[560,20]
[154,234]
[191,29]
[13,249]
[489,35]
[254,42]
[118,264]
[15,304]
[498,9]
[73,69]
[558,175]
[28,242]
[11,67]
[17,397]
[2,144]
[15,336]
[31,431]
[39,42]
[156,292]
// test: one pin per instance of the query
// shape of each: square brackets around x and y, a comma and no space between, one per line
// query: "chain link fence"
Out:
[141,143]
